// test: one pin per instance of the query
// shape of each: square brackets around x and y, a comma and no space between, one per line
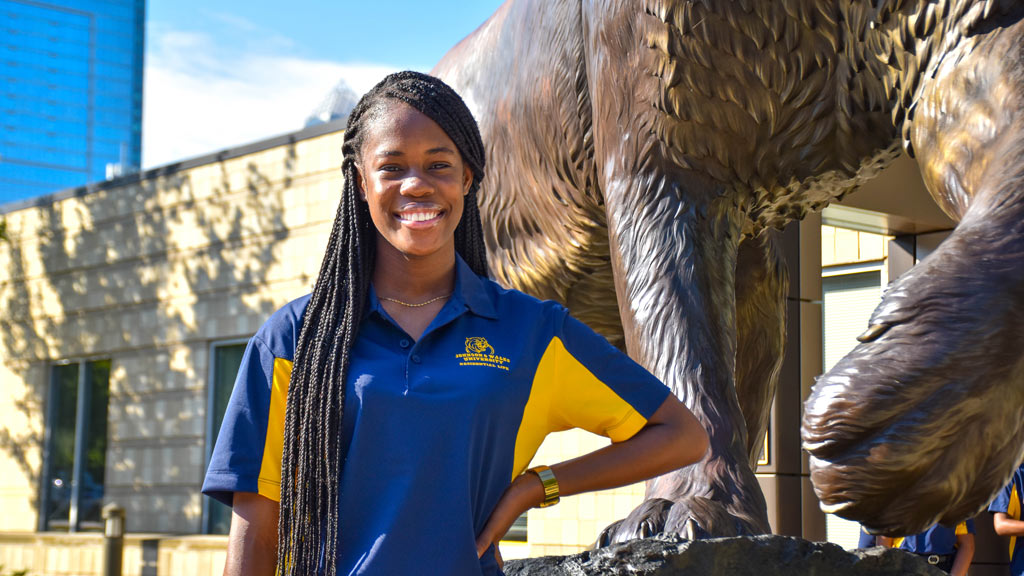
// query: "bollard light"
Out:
[113,523]
[113,539]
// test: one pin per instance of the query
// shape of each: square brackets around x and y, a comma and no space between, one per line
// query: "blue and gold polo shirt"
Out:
[435,429]
[938,539]
[1008,501]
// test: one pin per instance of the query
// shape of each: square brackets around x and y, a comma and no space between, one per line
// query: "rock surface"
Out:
[671,555]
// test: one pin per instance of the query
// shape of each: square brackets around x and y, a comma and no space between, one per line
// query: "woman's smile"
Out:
[414,181]
[420,217]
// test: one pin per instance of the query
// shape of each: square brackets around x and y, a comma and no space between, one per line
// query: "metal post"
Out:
[113,539]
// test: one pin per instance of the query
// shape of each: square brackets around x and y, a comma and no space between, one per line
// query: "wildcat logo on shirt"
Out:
[480,353]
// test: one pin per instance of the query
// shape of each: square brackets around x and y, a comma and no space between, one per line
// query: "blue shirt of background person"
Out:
[866,540]
[951,549]
[1006,518]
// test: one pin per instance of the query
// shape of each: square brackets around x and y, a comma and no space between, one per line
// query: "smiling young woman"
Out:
[384,423]
[414,183]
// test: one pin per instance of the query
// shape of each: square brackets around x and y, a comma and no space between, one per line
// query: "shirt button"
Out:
[415,359]
[404,343]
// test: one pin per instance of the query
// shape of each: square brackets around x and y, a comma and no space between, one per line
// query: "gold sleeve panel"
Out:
[269,482]
[1013,511]
[564,395]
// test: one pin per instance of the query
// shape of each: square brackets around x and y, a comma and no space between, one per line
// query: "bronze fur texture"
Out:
[641,155]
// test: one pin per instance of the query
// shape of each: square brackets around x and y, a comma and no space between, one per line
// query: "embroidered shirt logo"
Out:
[480,353]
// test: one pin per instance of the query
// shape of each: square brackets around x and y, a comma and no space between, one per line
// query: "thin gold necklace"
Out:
[432,300]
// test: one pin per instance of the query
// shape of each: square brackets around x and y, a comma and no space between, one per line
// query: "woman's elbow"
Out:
[691,439]
[1000,526]
[686,440]
[695,442]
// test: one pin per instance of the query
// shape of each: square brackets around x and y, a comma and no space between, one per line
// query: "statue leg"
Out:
[761,285]
[674,259]
[674,222]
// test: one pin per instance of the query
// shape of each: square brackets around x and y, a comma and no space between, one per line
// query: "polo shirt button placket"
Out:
[414,359]
[405,344]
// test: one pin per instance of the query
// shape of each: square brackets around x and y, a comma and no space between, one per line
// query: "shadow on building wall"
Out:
[146,273]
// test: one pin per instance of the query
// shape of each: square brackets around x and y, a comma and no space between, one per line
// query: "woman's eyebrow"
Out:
[440,149]
[394,153]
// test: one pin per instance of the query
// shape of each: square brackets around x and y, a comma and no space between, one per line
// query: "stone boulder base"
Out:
[670,555]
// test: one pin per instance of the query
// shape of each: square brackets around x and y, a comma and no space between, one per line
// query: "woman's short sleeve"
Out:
[594,385]
[247,455]
[1002,499]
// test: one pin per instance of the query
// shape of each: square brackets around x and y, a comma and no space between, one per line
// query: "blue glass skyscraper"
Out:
[70,93]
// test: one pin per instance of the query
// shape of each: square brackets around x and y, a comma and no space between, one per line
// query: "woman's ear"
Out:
[467,179]
[359,183]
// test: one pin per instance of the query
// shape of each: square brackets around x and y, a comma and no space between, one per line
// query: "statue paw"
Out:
[645,520]
[694,518]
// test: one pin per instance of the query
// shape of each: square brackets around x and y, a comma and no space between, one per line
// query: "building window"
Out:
[517,533]
[225,358]
[850,294]
[76,446]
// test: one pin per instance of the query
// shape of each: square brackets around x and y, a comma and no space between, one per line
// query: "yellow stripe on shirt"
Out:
[564,395]
[961,529]
[1013,511]
[269,483]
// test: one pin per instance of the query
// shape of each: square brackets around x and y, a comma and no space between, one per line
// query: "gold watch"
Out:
[550,483]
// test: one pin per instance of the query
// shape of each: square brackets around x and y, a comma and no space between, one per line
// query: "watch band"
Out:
[550,483]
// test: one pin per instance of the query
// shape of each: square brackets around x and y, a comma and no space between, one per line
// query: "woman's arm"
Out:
[964,554]
[672,438]
[1006,526]
[252,542]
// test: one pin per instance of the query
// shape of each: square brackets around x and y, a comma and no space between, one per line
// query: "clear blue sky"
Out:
[402,33]
[228,72]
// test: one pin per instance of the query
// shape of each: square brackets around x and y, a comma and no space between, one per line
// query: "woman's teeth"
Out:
[419,216]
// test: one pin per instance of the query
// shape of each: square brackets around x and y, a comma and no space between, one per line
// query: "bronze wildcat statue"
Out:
[641,154]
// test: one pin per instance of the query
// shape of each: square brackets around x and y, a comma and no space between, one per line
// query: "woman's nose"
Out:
[415,185]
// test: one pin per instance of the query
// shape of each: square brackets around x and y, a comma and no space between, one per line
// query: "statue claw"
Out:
[695,519]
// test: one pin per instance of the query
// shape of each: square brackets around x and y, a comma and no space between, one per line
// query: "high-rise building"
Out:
[70,93]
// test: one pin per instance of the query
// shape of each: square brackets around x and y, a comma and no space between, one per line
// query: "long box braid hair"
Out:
[309,525]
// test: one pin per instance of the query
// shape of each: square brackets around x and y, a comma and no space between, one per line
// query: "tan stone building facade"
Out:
[133,284]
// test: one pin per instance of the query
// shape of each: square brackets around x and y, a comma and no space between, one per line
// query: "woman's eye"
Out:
[440,165]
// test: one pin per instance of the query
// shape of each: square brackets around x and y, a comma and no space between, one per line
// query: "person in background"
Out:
[867,540]
[949,549]
[1006,518]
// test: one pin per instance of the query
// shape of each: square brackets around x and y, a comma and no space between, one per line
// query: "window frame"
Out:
[211,399]
[82,401]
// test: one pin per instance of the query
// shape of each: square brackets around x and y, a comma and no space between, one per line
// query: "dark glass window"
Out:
[76,454]
[226,357]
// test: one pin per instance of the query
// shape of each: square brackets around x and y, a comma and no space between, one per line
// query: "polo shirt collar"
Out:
[471,290]
[470,293]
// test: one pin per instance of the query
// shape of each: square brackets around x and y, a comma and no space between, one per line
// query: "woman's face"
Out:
[413,180]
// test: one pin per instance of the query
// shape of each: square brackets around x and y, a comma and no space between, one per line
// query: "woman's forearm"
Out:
[1006,526]
[964,555]
[672,438]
